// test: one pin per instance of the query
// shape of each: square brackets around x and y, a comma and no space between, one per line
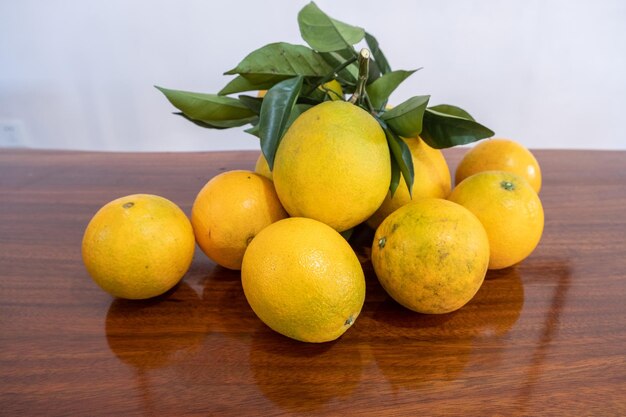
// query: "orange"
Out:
[333,89]
[138,246]
[261,167]
[229,211]
[432,179]
[333,165]
[431,255]
[500,155]
[303,280]
[510,211]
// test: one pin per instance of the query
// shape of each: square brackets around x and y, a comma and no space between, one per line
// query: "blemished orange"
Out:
[510,211]
[333,165]
[500,155]
[431,179]
[303,280]
[229,211]
[431,255]
[138,246]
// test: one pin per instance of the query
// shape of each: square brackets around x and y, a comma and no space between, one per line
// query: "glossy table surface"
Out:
[546,337]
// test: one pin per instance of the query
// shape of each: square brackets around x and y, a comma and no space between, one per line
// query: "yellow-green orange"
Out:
[431,255]
[303,280]
[500,155]
[510,211]
[333,165]
[138,246]
[229,211]
[333,89]
[262,167]
[432,179]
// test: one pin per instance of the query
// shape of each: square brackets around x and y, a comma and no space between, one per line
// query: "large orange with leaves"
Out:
[333,165]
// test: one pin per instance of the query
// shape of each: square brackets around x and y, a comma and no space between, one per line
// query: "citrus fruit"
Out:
[500,155]
[138,246]
[333,90]
[333,165]
[261,167]
[303,280]
[510,211]
[432,179]
[431,255]
[229,211]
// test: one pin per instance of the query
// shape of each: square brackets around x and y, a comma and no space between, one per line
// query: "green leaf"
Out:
[197,122]
[373,72]
[311,93]
[254,130]
[335,59]
[395,176]
[401,154]
[253,103]
[380,90]
[225,124]
[406,118]
[219,124]
[278,61]
[324,33]
[444,131]
[452,111]
[240,84]
[377,53]
[215,111]
[275,112]
[297,110]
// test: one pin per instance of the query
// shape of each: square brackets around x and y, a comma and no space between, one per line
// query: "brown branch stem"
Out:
[364,61]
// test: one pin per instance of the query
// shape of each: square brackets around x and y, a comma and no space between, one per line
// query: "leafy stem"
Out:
[364,61]
[331,75]
[292,75]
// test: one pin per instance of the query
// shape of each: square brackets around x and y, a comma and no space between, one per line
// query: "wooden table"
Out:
[547,337]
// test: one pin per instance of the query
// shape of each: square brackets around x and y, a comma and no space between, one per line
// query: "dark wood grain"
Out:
[546,337]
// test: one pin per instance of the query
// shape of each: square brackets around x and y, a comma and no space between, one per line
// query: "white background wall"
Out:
[79,74]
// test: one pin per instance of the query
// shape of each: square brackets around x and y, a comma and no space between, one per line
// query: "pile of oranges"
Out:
[286,229]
